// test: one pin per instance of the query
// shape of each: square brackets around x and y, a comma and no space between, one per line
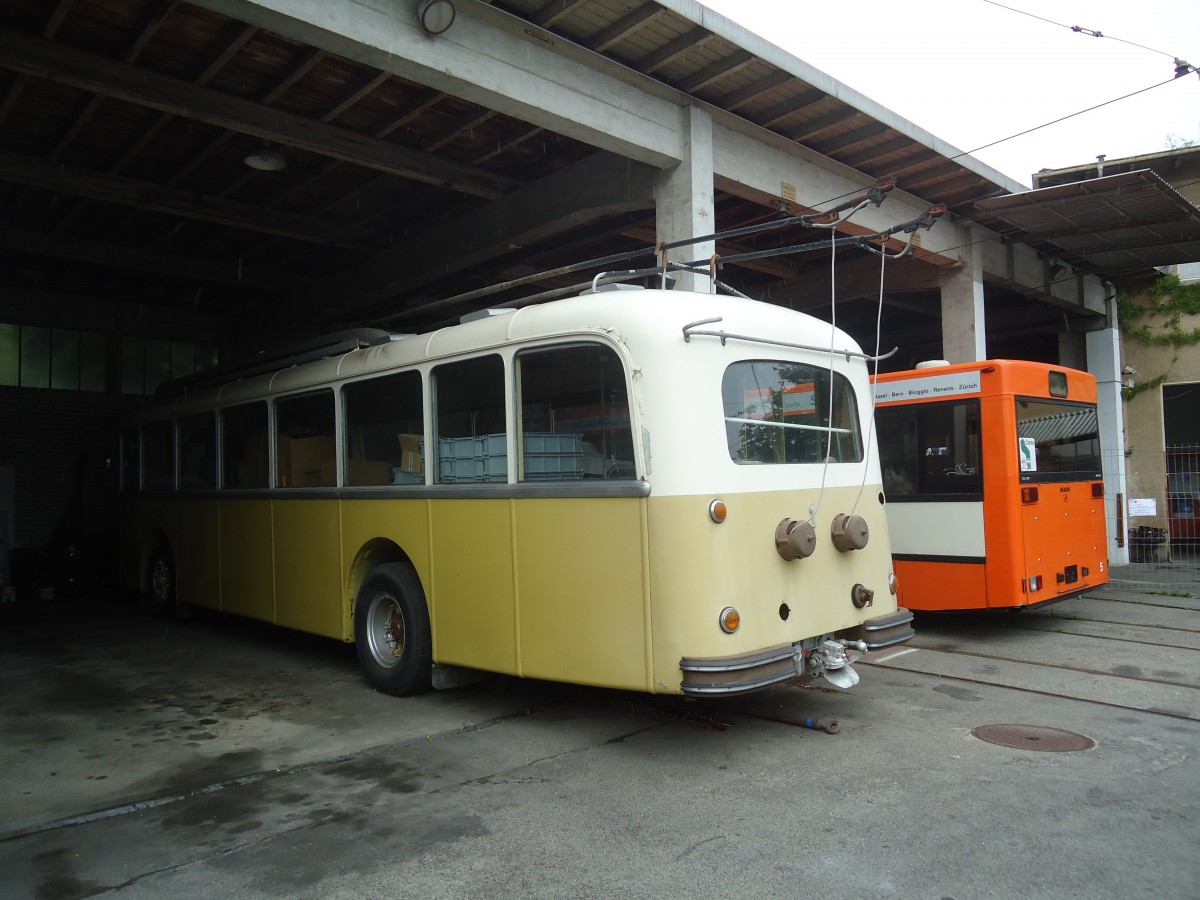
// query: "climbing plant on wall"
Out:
[1156,317]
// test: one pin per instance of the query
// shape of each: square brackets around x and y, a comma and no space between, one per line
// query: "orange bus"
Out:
[992,477]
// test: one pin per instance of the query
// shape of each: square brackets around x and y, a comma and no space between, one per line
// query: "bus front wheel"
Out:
[160,577]
[391,631]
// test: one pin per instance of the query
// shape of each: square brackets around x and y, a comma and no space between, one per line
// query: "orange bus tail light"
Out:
[1029,494]
[1098,489]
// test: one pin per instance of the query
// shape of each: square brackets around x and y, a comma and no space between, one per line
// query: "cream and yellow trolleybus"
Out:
[643,489]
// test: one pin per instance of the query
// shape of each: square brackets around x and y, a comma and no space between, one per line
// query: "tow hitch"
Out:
[832,659]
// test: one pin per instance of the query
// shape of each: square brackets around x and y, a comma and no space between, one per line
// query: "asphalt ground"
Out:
[216,757]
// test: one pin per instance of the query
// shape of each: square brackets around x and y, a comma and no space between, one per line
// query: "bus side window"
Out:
[574,415]
[898,451]
[385,429]
[198,452]
[931,449]
[158,456]
[471,438]
[305,453]
[244,446]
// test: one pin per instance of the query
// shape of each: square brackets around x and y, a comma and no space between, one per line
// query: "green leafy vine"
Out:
[1167,297]
[1128,393]
[1168,300]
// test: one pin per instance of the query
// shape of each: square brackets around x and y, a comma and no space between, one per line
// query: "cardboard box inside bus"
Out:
[302,460]
[410,453]
[359,472]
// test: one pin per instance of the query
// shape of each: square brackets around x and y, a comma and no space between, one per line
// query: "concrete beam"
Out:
[759,165]
[493,59]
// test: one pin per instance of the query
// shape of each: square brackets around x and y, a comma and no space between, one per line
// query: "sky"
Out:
[972,72]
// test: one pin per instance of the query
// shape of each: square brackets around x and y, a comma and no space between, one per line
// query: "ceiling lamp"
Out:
[436,16]
[266,159]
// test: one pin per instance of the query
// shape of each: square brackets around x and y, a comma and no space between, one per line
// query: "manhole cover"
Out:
[1033,737]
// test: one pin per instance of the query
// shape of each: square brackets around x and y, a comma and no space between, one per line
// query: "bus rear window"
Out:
[780,412]
[1057,440]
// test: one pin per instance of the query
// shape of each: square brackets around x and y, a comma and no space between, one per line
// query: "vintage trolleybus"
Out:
[642,489]
[993,482]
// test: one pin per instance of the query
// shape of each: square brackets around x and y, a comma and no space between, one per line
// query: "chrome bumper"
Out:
[882,631]
[727,676]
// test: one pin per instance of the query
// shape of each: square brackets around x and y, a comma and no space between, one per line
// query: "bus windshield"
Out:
[1057,440]
[779,412]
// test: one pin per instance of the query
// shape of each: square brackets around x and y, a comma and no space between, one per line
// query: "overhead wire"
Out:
[1182,68]
[1079,29]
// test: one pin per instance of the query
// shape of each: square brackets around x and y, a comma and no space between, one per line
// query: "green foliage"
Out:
[1167,301]
[1128,393]
[1166,297]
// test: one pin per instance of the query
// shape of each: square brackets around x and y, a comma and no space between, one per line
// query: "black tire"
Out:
[391,631]
[159,598]
[160,583]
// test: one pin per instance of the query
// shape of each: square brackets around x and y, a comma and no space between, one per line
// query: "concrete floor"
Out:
[213,757]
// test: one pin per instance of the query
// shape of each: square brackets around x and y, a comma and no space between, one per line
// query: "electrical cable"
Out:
[1079,29]
[883,258]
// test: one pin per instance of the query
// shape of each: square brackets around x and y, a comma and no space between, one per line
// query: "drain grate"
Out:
[1033,737]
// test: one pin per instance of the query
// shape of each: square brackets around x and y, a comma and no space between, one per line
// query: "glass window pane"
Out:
[198,452]
[206,358]
[385,430]
[304,448]
[158,456]
[158,364]
[779,412]
[183,359]
[133,365]
[35,357]
[244,446]
[10,354]
[574,415]
[93,362]
[931,449]
[471,436]
[64,362]
[1064,438]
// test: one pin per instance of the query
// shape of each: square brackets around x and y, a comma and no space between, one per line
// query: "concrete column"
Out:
[1104,361]
[962,305]
[683,197]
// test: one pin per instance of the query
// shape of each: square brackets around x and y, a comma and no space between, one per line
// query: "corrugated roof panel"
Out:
[1115,223]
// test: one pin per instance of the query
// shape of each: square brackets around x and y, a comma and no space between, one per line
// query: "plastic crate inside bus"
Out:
[469,459]
[552,457]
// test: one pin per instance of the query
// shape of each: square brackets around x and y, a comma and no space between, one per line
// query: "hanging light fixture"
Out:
[266,159]
[436,16]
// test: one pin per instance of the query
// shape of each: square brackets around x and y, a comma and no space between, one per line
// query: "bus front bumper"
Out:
[827,657]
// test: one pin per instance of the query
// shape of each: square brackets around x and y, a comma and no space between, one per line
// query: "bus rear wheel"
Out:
[391,631]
